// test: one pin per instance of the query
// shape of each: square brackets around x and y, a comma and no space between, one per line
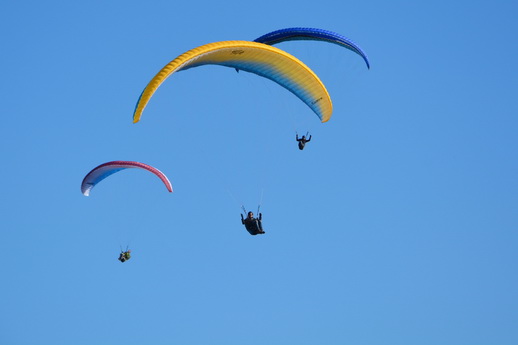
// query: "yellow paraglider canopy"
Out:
[258,58]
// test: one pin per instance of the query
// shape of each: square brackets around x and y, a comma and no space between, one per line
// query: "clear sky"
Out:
[397,224]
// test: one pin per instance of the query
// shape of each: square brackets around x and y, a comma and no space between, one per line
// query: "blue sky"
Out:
[396,225]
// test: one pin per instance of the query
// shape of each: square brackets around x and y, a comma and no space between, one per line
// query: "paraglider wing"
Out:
[104,170]
[293,34]
[253,57]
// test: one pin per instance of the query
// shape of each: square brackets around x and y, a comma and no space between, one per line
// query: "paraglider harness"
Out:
[302,141]
[254,225]
[125,255]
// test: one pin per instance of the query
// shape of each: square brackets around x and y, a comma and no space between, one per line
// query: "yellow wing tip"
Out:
[326,118]
[136,116]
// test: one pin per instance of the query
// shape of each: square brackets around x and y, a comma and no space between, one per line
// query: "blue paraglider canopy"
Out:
[294,34]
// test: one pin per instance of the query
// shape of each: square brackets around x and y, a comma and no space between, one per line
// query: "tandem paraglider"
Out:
[101,172]
[125,255]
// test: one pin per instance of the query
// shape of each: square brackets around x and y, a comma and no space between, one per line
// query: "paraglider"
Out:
[302,141]
[261,59]
[124,255]
[253,225]
[102,171]
[294,34]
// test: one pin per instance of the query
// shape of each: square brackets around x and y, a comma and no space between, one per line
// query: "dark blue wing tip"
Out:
[280,35]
